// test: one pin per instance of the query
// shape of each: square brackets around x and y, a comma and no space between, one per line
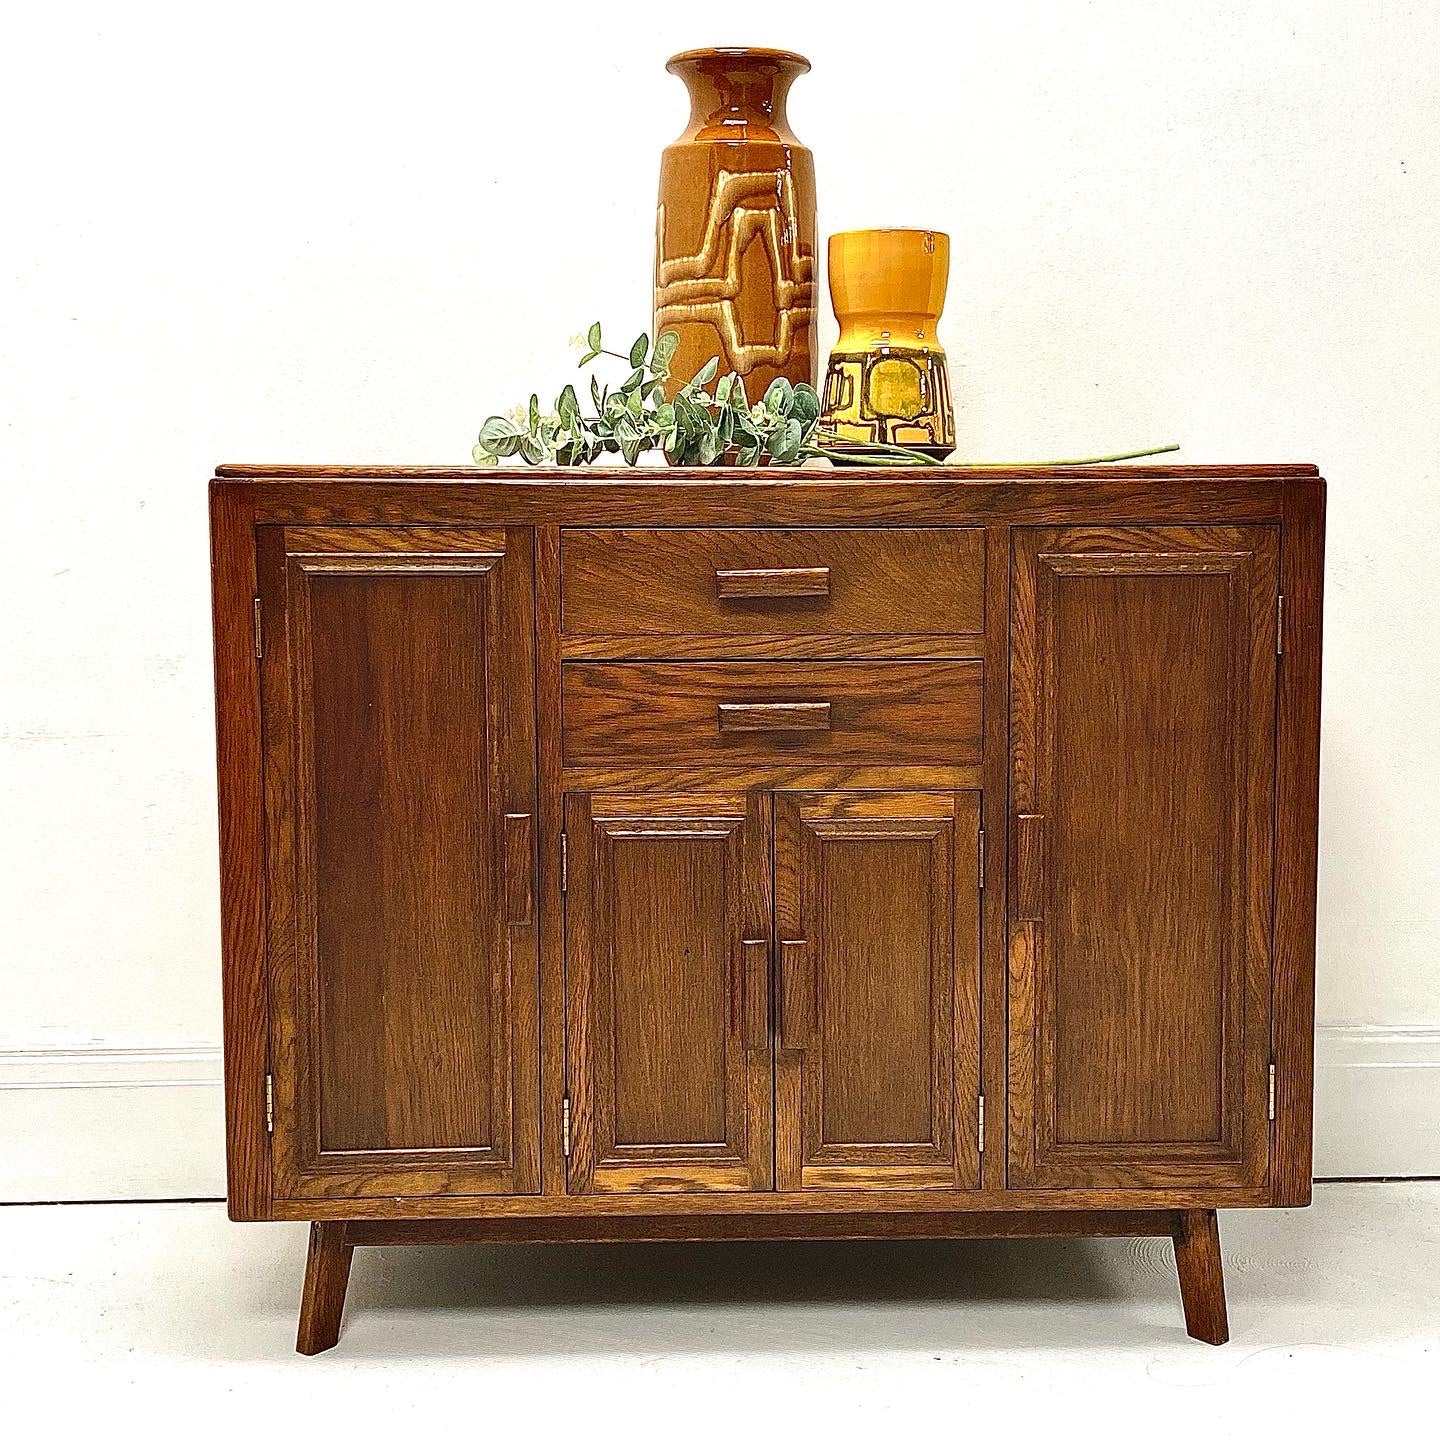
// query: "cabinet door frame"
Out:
[1249,555]
[288,558]
[598,1163]
[949,823]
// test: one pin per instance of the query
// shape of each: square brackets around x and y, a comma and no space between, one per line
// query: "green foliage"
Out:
[693,425]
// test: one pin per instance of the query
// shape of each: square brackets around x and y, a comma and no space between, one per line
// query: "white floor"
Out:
[170,1316]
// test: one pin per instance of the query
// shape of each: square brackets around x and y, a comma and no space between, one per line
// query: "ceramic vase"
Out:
[887,380]
[735,225]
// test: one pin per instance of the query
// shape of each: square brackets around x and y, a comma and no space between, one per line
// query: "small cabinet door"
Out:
[878,929]
[667,941]
[1142,735]
[397,681]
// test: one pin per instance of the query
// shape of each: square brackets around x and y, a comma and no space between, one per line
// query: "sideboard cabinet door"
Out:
[667,1017]
[398,685]
[1142,789]
[878,933]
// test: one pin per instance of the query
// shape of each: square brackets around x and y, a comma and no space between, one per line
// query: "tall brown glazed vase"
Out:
[735,227]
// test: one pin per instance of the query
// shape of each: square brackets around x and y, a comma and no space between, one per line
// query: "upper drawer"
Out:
[772,582]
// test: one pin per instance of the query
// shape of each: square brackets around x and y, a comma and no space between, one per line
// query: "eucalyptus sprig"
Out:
[697,425]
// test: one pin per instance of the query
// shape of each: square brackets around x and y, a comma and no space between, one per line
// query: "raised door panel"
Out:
[399,737]
[1142,733]
[667,926]
[878,934]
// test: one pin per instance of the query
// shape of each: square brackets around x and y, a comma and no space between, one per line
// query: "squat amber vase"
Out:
[887,380]
[735,226]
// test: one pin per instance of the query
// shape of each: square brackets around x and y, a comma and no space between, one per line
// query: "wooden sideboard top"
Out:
[798,475]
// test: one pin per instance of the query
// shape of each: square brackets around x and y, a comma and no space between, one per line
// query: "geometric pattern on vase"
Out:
[745,209]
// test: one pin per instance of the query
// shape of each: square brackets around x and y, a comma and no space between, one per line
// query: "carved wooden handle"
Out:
[519,870]
[755,994]
[1028,886]
[778,584]
[797,995]
[779,716]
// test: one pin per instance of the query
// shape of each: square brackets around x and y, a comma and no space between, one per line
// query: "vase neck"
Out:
[738,94]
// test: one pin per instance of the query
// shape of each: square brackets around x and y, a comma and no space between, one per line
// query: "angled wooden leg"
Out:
[1202,1277]
[327,1271]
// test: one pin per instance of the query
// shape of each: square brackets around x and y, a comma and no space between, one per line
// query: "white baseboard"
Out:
[112,1124]
[1377,1100]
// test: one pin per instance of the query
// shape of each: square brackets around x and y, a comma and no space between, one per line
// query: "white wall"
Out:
[340,231]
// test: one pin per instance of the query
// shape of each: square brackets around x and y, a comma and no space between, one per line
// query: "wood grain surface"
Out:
[767,985]
[769,582]
[877,919]
[894,711]
[1142,761]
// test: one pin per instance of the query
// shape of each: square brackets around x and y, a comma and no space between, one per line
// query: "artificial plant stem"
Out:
[1088,460]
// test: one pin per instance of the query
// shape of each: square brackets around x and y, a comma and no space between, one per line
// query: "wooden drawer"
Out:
[772,582]
[874,712]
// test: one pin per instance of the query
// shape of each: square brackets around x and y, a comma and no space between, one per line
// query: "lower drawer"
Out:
[892,712]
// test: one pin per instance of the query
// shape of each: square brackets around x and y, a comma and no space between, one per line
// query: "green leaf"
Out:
[665,416]
[506,446]
[722,389]
[710,448]
[706,373]
[597,394]
[666,344]
[592,337]
[804,406]
[780,396]
[784,444]
[496,428]
[630,448]
[654,388]
[748,455]
[639,350]
[480,455]
[633,380]
[587,358]
[568,406]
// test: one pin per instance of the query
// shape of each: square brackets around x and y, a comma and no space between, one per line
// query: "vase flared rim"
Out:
[890,230]
[736,52]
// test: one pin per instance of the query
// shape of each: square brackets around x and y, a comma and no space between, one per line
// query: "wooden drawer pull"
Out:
[797,995]
[755,994]
[778,584]
[1028,854]
[734,718]
[519,870]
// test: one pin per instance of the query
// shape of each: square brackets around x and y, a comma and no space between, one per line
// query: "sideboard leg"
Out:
[1202,1276]
[327,1271]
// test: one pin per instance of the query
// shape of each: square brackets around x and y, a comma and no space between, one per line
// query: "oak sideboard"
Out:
[764,854]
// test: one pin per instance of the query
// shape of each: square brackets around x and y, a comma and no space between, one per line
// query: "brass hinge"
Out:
[259,643]
[270,1104]
[565,1126]
[1279,624]
[1272,1089]
[980,1128]
[982,860]
[564,863]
